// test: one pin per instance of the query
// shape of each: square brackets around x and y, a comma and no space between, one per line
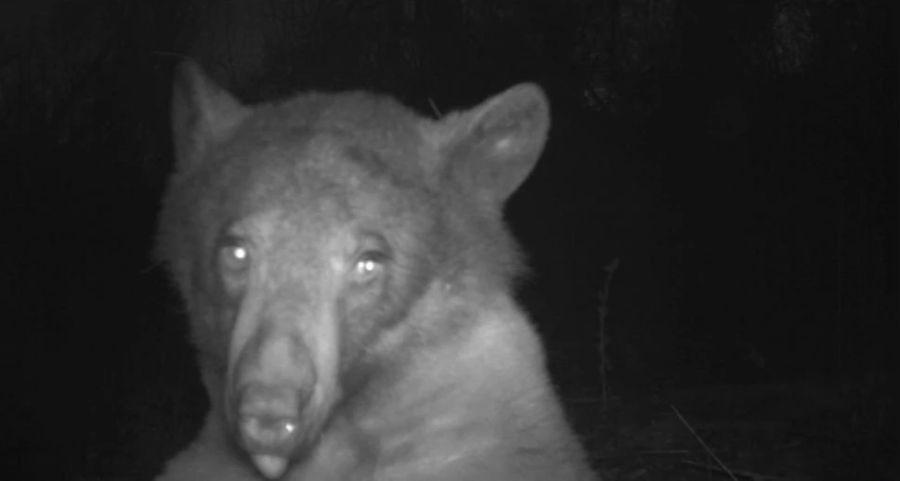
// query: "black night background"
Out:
[711,231]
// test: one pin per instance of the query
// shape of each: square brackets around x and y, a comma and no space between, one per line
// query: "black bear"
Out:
[347,274]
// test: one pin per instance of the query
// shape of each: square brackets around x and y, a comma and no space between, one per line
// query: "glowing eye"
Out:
[234,256]
[239,253]
[366,266]
[369,265]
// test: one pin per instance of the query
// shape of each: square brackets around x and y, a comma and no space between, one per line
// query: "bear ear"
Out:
[493,147]
[202,114]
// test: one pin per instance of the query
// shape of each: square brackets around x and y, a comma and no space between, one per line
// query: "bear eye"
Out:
[369,265]
[234,256]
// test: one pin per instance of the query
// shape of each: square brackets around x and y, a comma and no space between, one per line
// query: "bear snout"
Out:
[273,384]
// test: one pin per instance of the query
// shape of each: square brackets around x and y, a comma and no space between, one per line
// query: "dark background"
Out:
[738,158]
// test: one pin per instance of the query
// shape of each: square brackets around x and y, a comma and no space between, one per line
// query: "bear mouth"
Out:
[276,425]
[267,434]
[273,442]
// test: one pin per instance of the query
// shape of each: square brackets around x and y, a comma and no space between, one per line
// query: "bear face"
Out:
[338,254]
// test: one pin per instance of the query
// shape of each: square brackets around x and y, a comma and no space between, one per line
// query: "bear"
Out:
[348,277]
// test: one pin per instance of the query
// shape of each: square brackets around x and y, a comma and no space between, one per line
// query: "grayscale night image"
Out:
[408,240]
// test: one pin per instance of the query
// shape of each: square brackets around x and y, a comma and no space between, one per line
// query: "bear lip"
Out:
[270,466]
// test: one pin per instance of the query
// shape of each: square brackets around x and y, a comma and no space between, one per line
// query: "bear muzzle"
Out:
[273,416]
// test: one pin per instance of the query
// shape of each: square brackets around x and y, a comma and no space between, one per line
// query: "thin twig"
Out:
[434,108]
[700,440]
[602,339]
[743,474]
